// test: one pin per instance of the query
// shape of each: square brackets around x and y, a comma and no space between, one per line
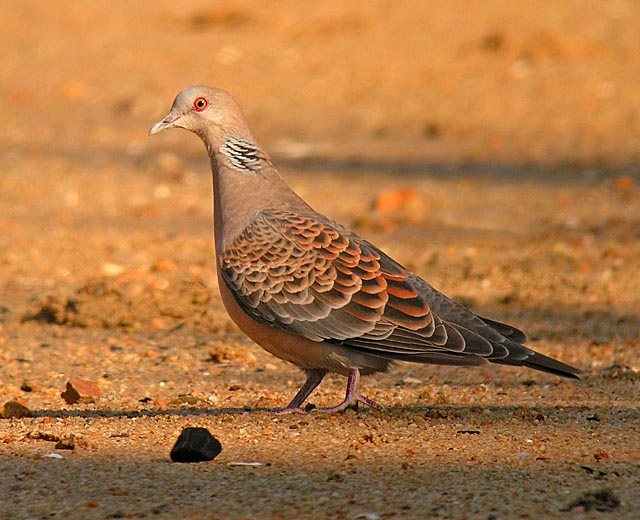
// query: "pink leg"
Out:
[353,396]
[314,378]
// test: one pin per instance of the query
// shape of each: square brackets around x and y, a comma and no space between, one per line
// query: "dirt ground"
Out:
[493,147]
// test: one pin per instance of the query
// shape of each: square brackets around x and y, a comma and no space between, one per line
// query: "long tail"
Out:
[546,364]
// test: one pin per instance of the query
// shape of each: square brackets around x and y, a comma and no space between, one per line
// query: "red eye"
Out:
[200,104]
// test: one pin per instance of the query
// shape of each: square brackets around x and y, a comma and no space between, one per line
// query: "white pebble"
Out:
[53,455]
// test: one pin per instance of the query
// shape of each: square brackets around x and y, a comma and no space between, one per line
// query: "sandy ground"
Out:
[492,148]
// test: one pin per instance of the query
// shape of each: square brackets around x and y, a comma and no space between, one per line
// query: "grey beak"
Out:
[165,124]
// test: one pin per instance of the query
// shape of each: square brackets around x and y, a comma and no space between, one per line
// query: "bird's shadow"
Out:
[436,413]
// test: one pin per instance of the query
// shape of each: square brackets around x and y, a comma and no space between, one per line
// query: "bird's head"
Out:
[202,110]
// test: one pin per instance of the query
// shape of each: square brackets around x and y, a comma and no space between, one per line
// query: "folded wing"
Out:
[312,277]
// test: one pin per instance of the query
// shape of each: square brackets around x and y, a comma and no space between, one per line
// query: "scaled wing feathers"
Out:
[313,277]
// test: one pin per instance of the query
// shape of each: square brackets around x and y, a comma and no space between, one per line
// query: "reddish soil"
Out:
[492,147]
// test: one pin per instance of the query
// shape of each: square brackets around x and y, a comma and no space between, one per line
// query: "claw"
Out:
[353,397]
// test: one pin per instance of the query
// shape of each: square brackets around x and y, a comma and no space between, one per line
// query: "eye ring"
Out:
[200,104]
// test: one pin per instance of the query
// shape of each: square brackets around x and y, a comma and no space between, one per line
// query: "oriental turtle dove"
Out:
[313,292]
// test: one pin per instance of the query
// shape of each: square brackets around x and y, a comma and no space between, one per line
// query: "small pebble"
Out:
[366,516]
[195,445]
[52,456]
[111,269]
[15,409]
[66,444]
[80,389]
[26,386]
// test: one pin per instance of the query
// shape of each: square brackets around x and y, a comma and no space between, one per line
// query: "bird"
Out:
[312,291]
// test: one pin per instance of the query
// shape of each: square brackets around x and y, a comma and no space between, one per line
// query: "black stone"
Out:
[195,445]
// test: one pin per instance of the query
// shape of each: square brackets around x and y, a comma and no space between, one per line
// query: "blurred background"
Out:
[479,142]
[482,82]
[491,146]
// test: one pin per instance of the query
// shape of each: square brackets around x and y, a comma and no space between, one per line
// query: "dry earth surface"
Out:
[493,147]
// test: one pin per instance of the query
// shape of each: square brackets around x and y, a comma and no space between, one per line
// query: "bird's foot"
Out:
[353,396]
[351,402]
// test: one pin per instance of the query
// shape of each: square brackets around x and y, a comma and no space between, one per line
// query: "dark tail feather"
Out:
[546,364]
[506,330]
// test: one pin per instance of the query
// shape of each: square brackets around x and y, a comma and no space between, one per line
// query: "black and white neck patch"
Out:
[242,154]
